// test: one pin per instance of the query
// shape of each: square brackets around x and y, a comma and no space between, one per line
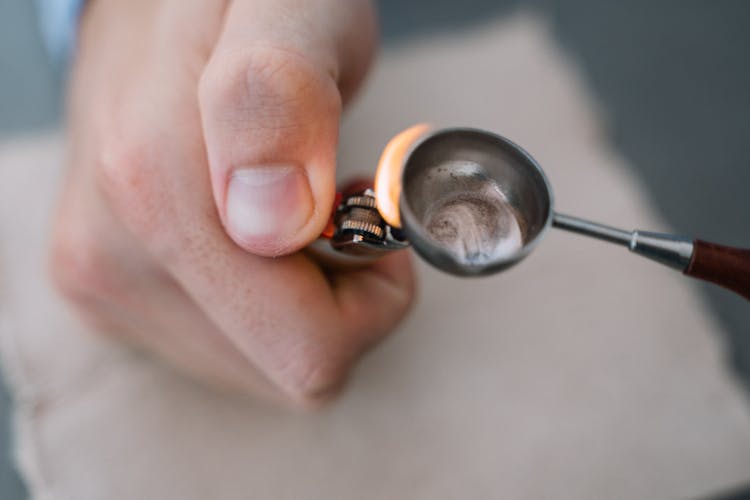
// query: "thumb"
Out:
[270,101]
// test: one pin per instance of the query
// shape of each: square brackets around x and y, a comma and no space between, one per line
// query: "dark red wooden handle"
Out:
[726,266]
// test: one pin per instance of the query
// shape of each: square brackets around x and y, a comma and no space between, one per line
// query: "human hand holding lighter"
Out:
[202,153]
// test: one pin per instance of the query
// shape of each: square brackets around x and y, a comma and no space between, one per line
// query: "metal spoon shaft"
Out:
[668,249]
[588,228]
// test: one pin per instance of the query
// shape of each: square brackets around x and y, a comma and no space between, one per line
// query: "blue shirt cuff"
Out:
[58,21]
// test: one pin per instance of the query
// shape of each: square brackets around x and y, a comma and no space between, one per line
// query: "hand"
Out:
[202,143]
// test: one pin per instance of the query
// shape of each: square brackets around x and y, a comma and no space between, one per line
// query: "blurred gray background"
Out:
[673,76]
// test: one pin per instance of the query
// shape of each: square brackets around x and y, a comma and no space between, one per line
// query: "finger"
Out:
[270,101]
[374,300]
[159,316]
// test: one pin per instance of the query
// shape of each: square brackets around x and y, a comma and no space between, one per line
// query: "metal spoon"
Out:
[473,203]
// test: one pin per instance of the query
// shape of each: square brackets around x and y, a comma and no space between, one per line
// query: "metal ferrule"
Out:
[667,249]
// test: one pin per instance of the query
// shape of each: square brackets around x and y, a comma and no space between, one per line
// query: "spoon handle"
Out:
[727,267]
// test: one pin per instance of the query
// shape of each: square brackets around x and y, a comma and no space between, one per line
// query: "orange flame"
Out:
[388,174]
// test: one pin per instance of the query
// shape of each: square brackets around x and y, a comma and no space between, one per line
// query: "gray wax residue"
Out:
[476,227]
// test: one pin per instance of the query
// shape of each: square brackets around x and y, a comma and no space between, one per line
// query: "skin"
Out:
[170,101]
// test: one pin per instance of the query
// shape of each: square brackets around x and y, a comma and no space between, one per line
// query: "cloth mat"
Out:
[583,372]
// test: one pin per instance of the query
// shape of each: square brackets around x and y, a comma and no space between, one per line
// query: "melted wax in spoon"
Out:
[476,227]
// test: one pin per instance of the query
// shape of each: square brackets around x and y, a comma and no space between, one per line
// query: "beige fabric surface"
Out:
[582,373]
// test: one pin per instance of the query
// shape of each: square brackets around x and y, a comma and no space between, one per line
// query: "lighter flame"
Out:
[388,174]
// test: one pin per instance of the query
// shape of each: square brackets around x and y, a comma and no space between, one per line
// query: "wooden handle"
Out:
[726,266]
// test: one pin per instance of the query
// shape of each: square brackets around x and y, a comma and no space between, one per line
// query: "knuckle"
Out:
[81,273]
[128,177]
[79,267]
[274,86]
[123,171]
[313,379]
